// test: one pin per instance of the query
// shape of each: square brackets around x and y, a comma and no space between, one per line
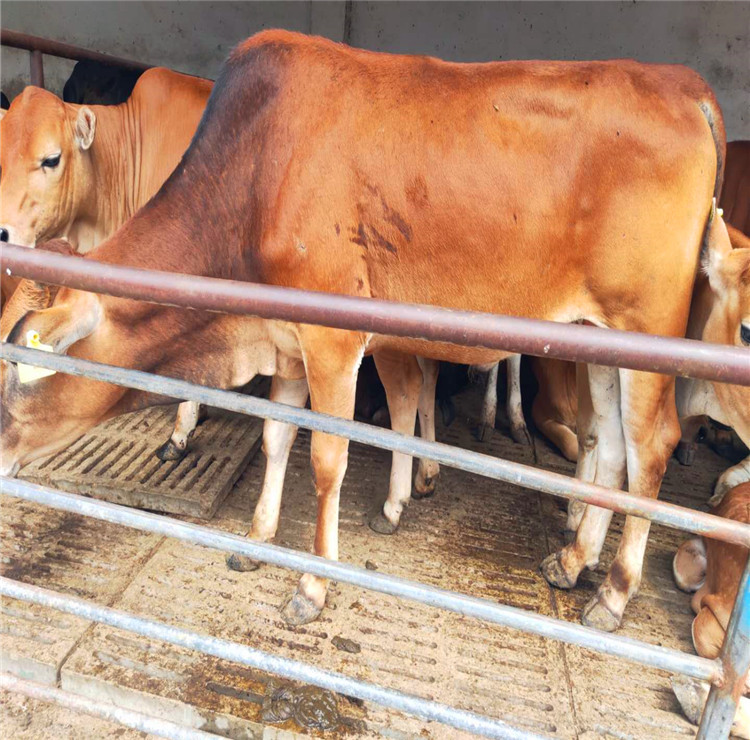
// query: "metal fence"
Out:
[542,338]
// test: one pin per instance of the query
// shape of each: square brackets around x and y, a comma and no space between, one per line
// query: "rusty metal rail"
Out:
[575,342]
[36,46]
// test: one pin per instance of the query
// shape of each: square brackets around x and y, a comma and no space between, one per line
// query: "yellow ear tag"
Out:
[27,373]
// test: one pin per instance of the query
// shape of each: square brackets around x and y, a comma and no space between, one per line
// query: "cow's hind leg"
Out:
[188,416]
[489,407]
[730,478]
[428,470]
[332,379]
[514,402]
[278,439]
[601,460]
[402,379]
[652,430]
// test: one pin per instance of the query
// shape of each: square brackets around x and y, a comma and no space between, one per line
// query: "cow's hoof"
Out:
[485,431]
[554,573]
[685,452]
[424,488]
[381,524]
[299,610]
[520,434]
[242,563]
[597,614]
[170,451]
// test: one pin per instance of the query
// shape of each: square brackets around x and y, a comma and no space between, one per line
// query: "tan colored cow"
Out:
[323,167]
[556,404]
[79,172]
[711,570]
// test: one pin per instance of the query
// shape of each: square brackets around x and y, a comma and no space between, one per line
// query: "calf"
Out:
[711,570]
[369,193]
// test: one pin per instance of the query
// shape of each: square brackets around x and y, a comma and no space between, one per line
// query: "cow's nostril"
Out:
[3,235]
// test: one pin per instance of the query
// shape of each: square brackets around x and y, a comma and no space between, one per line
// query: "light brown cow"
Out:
[80,172]
[556,404]
[711,570]
[425,182]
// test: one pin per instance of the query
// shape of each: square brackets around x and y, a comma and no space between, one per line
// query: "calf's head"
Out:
[46,170]
[727,266]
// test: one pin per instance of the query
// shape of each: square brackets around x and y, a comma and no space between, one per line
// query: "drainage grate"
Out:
[116,462]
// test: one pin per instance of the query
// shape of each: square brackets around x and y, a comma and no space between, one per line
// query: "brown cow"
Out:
[425,182]
[556,404]
[711,570]
[80,172]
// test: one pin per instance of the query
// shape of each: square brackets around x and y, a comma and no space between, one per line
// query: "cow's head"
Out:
[727,266]
[46,173]
[44,415]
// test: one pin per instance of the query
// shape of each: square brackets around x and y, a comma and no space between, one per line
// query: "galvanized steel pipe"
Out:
[506,616]
[103,709]
[528,336]
[291,669]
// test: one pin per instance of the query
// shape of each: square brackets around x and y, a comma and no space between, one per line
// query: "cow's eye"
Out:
[745,334]
[52,161]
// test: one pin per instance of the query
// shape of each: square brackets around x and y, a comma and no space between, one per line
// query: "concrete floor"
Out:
[475,536]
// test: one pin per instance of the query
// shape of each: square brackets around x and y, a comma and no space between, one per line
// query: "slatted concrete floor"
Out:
[476,536]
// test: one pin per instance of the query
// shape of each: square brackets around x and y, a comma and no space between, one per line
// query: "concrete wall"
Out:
[711,37]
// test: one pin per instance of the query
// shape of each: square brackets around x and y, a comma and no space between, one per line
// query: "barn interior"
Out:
[475,536]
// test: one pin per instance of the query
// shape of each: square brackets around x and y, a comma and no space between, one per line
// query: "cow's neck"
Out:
[116,190]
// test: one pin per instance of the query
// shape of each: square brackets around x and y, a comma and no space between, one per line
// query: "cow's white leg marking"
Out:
[730,478]
[601,460]
[489,406]
[514,406]
[278,439]
[188,414]
[428,470]
[652,430]
[332,378]
[402,380]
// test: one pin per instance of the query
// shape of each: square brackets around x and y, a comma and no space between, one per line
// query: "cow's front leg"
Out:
[428,470]
[188,416]
[402,380]
[687,447]
[278,439]
[332,369]
[730,478]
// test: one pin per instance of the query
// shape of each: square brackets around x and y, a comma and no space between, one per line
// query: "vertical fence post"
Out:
[735,656]
[37,68]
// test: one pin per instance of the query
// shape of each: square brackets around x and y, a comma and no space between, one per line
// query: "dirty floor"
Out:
[475,536]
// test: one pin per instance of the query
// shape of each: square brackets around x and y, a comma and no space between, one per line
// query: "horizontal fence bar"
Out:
[528,336]
[472,462]
[19,40]
[291,669]
[103,709]
[505,616]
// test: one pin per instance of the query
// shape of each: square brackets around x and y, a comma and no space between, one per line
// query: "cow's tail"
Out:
[712,113]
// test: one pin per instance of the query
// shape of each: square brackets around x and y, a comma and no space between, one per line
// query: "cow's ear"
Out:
[64,324]
[85,127]
[717,247]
